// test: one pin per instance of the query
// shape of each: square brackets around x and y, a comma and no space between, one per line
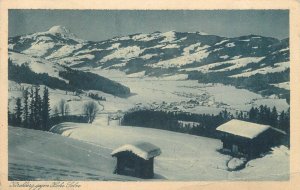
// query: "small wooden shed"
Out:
[247,138]
[136,159]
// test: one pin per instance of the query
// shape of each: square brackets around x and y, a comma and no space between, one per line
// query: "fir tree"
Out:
[284,121]
[45,109]
[261,114]
[281,120]
[9,117]
[241,115]
[25,109]
[31,109]
[253,114]
[37,109]
[274,117]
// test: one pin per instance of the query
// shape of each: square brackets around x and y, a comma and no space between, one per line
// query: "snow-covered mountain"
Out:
[163,54]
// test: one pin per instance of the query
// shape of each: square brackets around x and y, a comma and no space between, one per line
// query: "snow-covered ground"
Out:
[170,93]
[278,67]
[183,157]
[39,155]
[85,154]
[284,85]
[177,92]
[182,60]
[234,64]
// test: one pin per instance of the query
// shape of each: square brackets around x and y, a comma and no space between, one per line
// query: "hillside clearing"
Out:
[184,157]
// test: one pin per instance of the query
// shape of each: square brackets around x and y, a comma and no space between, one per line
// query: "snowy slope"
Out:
[37,65]
[278,67]
[195,158]
[234,64]
[39,155]
[284,85]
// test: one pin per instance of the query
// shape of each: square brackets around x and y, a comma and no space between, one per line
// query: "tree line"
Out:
[78,80]
[90,81]
[31,111]
[205,124]
[260,83]
[23,74]
[266,115]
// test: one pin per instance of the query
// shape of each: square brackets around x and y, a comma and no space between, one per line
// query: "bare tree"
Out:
[90,109]
[67,109]
[55,111]
[61,107]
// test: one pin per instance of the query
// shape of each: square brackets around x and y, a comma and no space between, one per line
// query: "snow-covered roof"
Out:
[243,128]
[144,150]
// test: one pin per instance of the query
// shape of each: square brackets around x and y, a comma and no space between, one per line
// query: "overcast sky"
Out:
[99,25]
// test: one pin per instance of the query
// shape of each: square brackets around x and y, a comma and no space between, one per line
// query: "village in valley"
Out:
[180,106]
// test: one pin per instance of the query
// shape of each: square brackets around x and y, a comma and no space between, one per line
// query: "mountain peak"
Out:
[59,29]
[63,31]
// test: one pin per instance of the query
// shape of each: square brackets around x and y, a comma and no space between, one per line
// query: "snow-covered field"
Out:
[178,93]
[170,93]
[84,154]
[39,155]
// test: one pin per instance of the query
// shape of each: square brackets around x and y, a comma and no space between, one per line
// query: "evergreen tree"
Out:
[281,120]
[9,115]
[256,119]
[251,114]
[267,116]
[18,112]
[274,117]
[287,121]
[45,109]
[31,109]
[225,115]
[25,109]
[284,121]
[261,114]
[240,115]
[37,104]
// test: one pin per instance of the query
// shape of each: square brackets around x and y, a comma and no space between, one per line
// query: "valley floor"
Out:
[82,152]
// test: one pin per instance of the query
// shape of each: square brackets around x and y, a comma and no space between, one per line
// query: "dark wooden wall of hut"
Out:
[251,148]
[132,165]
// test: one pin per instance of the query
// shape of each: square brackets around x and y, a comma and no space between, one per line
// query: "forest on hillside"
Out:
[78,80]
[205,124]
[259,83]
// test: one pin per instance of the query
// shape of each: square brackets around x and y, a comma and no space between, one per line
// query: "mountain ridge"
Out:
[160,54]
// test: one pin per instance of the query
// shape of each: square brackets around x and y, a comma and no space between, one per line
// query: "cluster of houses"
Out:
[239,138]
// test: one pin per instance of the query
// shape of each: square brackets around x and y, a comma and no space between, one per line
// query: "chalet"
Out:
[248,139]
[136,159]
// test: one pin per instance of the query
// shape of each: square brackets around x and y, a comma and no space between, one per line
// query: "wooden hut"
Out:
[136,159]
[248,139]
